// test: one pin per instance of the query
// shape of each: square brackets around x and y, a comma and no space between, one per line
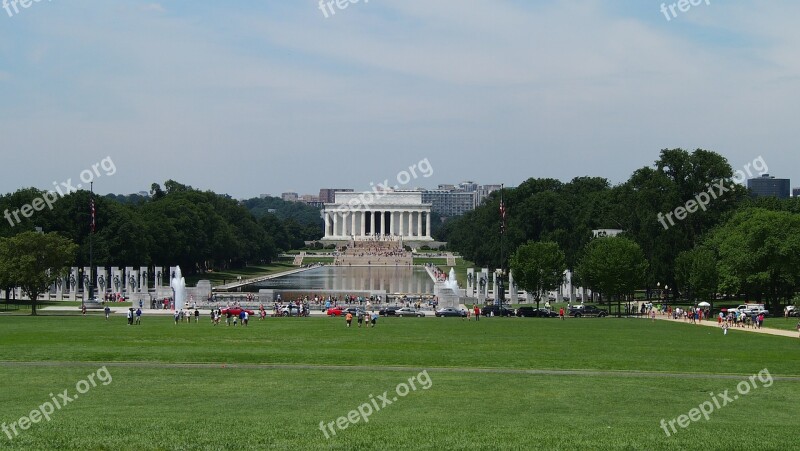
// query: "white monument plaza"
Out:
[389,214]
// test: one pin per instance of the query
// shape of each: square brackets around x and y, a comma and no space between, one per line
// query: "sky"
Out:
[263,97]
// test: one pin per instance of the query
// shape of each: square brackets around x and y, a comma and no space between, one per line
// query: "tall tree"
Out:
[538,267]
[696,271]
[759,254]
[34,261]
[613,266]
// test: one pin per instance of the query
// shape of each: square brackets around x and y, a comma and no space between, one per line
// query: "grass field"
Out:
[501,383]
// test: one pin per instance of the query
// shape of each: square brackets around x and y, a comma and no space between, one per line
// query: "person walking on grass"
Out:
[374,318]
[360,318]
[561,313]
[798,329]
[138,316]
[349,319]
[477,311]
[107,311]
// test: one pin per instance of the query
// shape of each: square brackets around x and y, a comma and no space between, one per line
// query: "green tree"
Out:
[34,261]
[696,271]
[759,254]
[613,266]
[538,267]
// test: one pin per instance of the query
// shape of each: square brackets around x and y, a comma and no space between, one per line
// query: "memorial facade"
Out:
[377,215]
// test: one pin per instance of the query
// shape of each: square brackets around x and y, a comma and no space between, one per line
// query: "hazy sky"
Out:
[270,96]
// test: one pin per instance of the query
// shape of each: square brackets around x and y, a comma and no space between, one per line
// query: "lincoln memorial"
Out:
[383,214]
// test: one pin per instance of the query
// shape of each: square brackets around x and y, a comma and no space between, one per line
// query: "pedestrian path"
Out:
[763,330]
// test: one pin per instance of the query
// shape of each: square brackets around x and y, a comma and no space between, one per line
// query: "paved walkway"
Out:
[763,330]
[237,284]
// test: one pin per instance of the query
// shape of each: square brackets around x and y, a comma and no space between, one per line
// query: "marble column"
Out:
[335,224]
[428,224]
[419,223]
[363,222]
[327,223]
[374,223]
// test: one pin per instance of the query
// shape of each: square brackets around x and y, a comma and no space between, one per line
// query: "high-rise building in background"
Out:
[448,203]
[796,192]
[326,194]
[289,197]
[766,186]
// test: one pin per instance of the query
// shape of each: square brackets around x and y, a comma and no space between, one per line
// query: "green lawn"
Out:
[271,384]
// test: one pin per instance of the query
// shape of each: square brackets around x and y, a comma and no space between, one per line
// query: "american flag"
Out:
[93,225]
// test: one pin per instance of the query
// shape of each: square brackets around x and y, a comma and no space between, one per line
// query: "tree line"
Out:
[173,225]
[736,244]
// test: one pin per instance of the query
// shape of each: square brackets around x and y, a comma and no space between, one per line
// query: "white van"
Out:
[751,308]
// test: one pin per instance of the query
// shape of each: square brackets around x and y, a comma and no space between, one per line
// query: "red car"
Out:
[235,311]
[334,311]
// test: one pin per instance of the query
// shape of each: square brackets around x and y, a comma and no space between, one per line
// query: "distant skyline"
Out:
[271,97]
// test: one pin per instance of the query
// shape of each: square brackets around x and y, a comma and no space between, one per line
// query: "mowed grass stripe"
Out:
[301,367]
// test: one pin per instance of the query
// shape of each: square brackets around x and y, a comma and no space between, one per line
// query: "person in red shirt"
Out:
[477,311]
[561,313]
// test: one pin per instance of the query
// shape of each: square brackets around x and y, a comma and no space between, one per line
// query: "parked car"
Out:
[408,311]
[290,310]
[334,311]
[533,312]
[352,310]
[450,311]
[235,311]
[388,311]
[588,310]
[497,310]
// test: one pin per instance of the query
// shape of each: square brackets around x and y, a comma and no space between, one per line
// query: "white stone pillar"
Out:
[353,224]
[400,221]
[327,223]
[335,224]
[363,215]
[419,223]
[374,223]
[428,224]
[410,223]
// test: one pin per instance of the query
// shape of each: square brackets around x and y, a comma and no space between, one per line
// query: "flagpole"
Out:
[500,291]
[91,244]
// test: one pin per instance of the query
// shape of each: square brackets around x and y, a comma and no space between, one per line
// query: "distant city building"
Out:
[796,192]
[449,203]
[289,197]
[484,191]
[326,195]
[599,233]
[768,186]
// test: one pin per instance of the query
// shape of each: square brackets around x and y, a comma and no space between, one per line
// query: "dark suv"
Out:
[498,311]
[587,310]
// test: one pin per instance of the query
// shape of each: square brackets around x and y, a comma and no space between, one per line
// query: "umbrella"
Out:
[704,304]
